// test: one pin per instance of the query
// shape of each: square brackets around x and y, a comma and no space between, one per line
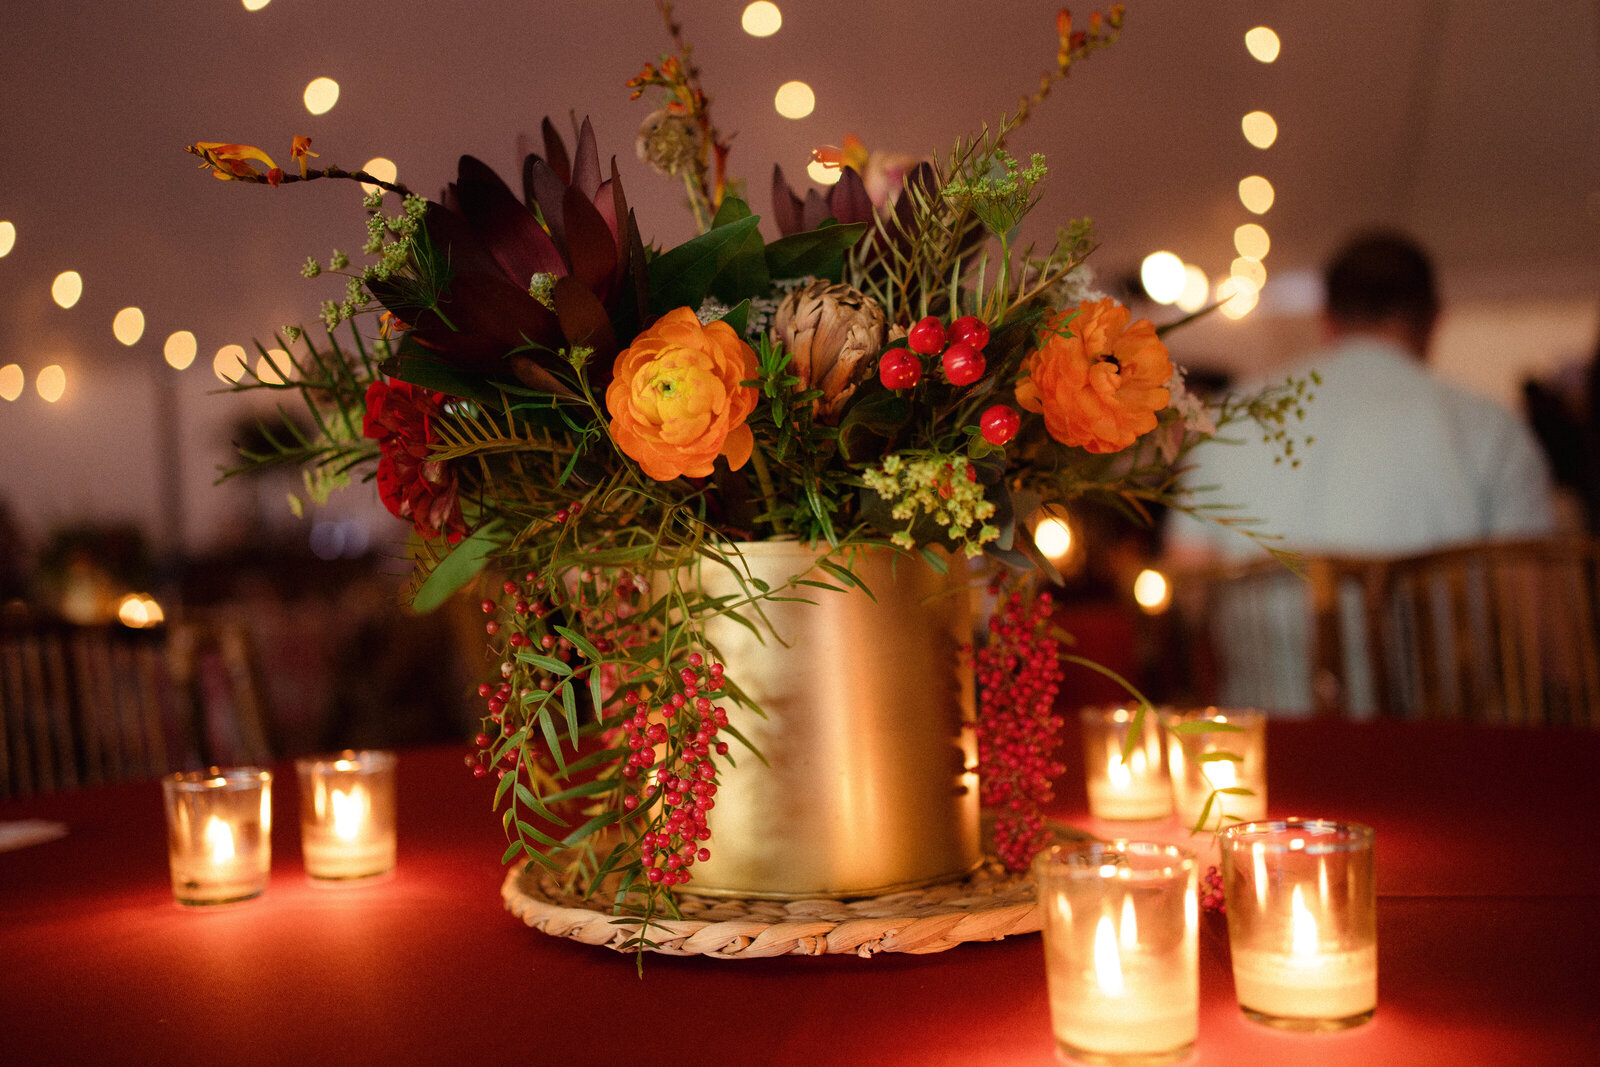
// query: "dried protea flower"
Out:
[831,331]
[666,142]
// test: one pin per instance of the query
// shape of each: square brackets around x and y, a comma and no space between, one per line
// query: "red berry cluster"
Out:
[671,745]
[960,351]
[1018,674]
[961,359]
[1211,895]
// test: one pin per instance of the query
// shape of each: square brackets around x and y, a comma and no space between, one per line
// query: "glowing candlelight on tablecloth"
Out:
[1131,789]
[219,833]
[347,814]
[1302,922]
[1211,751]
[1121,946]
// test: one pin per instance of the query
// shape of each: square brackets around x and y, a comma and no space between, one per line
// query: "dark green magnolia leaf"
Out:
[429,372]
[745,275]
[458,568]
[871,423]
[816,253]
[738,317]
[732,210]
[683,276]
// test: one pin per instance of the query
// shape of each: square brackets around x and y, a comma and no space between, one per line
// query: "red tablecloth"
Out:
[1489,940]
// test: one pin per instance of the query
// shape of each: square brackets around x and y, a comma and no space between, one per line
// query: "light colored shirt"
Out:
[1398,461]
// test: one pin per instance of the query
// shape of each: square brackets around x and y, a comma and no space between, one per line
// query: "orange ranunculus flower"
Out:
[675,399]
[1097,380]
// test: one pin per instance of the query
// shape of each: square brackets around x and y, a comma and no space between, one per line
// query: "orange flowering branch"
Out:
[234,162]
[1072,45]
[680,77]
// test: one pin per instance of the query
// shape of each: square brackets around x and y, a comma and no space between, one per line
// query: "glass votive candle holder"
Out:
[1121,942]
[219,833]
[1124,790]
[1302,922]
[1217,756]
[347,814]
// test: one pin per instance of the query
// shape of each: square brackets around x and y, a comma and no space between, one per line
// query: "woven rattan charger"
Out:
[987,905]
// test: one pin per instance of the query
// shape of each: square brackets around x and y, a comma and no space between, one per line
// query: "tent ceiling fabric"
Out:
[1473,123]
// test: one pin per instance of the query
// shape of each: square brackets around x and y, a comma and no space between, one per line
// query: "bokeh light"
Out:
[380,168]
[255,5]
[67,288]
[320,95]
[1162,276]
[1263,44]
[1245,267]
[1256,194]
[1252,241]
[1053,538]
[1238,295]
[229,363]
[180,349]
[8,237]
[51,383]
[1260,129]
[1152,591]
[273,366]
[1196,287]
[12,381]
[822,175]
[128,326]
[794,100]
[761,19]
[140,611]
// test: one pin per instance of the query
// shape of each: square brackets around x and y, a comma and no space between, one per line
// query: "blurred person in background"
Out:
[1388,460]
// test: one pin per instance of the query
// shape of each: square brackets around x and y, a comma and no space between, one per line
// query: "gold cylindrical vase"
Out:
[866,782]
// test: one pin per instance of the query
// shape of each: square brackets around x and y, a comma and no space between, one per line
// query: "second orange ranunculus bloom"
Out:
[676,401]
[1097,380]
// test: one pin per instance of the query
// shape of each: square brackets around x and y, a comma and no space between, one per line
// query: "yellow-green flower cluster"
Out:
[943,487]
[389,238]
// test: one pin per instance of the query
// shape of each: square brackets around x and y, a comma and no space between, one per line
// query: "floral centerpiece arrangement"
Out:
[568,417]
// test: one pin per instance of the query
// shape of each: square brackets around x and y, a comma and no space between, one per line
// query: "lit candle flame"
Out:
[1303,927]
[349,812]
[219,840]
[1117,772]
[1221,775]
[1129,928]
[1107,960]
[1121,774]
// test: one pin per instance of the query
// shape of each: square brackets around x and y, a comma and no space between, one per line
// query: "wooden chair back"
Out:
[1494,631]
[88,705]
